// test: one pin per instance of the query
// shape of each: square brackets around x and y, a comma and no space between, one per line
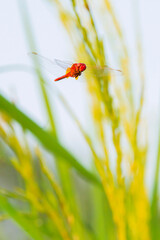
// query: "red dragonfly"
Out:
[73,70]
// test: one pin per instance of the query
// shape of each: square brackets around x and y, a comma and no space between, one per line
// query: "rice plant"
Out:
[66,200]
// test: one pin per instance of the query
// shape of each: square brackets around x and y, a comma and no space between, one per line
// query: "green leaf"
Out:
[47,140]
[20,220]
[155,218]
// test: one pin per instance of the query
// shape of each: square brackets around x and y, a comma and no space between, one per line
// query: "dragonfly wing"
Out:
[109,69]
[103,70]
[48,64]
[63,64]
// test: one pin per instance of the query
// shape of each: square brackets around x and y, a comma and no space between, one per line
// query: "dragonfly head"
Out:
[82,67]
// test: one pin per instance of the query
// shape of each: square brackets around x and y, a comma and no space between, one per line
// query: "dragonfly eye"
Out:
[82,67]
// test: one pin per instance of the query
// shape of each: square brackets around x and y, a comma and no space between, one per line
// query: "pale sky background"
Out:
[53,42]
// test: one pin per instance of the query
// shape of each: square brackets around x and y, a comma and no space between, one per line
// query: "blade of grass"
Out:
[27,226]
[102,216]
[47,140]
[14,195]
[155,218]
[30,39]
[156,181]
